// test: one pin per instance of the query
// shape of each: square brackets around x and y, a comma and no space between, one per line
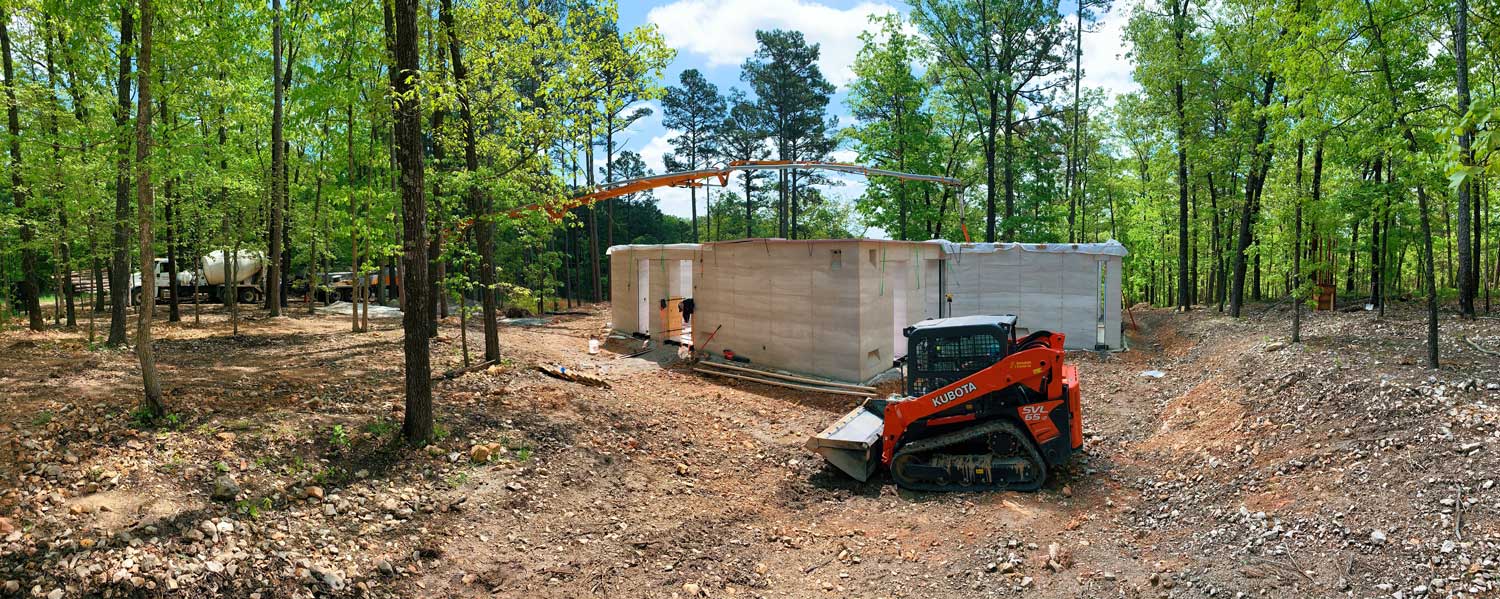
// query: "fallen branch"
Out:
[809,569]
[1481,349]
[458,372]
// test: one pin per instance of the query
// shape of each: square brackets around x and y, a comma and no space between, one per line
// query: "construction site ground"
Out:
[1339,466]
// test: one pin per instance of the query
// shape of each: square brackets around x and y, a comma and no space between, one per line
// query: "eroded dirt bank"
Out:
[1335,467]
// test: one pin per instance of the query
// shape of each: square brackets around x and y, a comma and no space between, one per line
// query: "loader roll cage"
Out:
[942,351]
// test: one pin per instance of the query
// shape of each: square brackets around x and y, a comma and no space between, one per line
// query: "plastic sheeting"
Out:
[652,247]
[1108,248]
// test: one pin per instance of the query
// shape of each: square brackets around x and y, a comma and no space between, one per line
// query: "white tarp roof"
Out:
[652,247]
[1108,248]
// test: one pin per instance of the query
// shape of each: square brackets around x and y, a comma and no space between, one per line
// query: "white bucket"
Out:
[593,346]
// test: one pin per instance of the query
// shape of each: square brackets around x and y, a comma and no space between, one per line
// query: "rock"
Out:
[213,566]
[1275,346]
[692,589]
[330,510]
[313,492]
[1448,547]
[7,527]
[1377,537]
[1067,490]
[480,454]
[385,567]
[55,594]
[12,587]
[333,580]
[226,437]
[225,526]
[225,489]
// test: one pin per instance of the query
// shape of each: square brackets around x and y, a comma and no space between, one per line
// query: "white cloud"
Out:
[723,31]
[1104,61]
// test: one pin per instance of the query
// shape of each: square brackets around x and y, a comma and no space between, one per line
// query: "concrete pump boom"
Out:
[694,178]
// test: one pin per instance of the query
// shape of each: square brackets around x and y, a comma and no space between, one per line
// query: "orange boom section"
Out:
[696,179]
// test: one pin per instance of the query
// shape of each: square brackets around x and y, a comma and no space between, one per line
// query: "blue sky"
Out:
[716,36]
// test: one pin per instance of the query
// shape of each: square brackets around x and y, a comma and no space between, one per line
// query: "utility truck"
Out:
[214,279]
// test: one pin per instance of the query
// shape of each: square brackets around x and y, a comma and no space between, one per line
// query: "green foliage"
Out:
[338,437]
[253,507]
[380,428]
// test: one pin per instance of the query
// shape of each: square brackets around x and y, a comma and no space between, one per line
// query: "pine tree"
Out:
[695,109]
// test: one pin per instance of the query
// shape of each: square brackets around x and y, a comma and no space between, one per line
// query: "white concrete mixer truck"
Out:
[214,280]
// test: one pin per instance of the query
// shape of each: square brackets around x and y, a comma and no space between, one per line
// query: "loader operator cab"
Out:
[940,351]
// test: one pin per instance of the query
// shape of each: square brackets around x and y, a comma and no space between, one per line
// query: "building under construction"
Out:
[836,308]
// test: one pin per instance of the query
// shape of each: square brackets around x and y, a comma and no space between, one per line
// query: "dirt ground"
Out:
[1335,467]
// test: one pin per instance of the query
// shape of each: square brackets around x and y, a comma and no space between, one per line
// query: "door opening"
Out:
[642,291]
[685,291]
[896,286]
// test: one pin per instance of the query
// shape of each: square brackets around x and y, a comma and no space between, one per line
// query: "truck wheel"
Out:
[135,296]
[249,296]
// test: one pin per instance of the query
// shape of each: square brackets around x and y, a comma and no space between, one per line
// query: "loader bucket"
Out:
[852,444]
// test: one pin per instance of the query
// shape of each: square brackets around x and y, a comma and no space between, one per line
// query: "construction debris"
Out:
[568,374]
[710,368]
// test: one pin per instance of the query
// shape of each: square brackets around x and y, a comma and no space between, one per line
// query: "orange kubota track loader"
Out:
[983,410]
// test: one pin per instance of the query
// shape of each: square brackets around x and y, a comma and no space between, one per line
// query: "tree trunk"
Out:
[1353,259]
[1422,200]
[1377,217]
[119,272]
[30,276]
[151,402]
[315,235]
[174,309]
[989,168]
[588,159]
[749,208]
[1466,254]
[1258,165]
[278,162]
[1296,292]
[416,427]
[1010,168]
[1179,30]
[64,243]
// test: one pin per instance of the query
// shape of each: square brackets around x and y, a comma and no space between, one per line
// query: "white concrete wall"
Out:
[624,284]
[1055,291]
[783,304]
[816,307]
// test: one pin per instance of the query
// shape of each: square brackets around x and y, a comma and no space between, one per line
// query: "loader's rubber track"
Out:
[1005,441]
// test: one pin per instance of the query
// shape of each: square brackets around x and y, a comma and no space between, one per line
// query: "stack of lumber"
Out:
[781,379]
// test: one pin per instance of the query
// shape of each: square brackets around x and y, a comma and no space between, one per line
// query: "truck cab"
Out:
[163,280]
